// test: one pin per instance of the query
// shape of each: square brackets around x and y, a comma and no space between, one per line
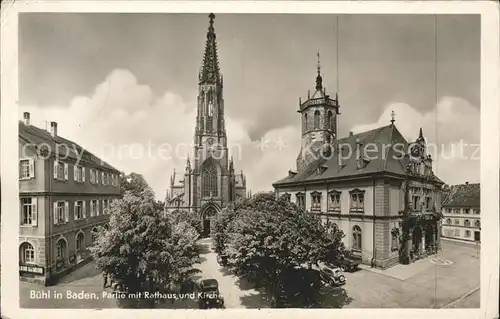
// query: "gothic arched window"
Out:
[210,124]
[317,115]
[209,180]
[329,120]
[306,128]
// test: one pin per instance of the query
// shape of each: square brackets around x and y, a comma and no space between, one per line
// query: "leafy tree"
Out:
[267,237]
[137,185]
[142,247]
[192,219]
[220,225]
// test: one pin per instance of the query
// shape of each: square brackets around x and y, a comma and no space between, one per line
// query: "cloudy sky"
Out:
[124,85]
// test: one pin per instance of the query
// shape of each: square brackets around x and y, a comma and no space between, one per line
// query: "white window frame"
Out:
[61,214]
[79,174]
[60,171]
[105,207]
[81,208]
[31,259]
[30,168]
[30,210]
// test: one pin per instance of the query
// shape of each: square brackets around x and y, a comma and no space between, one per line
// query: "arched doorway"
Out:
[61,253]
[80,247]
[206,219]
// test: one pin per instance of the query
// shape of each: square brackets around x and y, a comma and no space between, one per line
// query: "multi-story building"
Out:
[211,181]
[64,195]
[462,213]
[365,183]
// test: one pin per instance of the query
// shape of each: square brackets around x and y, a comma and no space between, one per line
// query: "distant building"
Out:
[61,202]
[363,182]
[211,181]
[462,213]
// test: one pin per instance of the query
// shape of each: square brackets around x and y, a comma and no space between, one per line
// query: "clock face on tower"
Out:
[415,151]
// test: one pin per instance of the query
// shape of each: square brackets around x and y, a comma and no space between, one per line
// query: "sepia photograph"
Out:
[223,160]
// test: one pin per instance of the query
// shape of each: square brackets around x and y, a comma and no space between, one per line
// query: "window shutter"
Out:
[74,211]
[55,169]
[75,172]
[31,167]
[34,216]
[56,219]
[66,211]
[83,174]
[84,210]
[65,171]
[97,207]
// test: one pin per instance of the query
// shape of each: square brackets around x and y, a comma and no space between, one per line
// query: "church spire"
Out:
[209,72]
[319,79]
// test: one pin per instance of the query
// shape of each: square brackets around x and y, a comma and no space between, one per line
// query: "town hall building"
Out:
[365,184]
[209,182]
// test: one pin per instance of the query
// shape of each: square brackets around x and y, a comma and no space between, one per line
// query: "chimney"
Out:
[53,129]
[26,117]
[350,133]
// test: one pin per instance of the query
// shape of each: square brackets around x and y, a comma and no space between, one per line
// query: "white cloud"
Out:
[152,136]
[452,129]
[124,124]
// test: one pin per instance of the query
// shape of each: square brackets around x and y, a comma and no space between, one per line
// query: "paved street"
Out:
[422,284]
[426,283]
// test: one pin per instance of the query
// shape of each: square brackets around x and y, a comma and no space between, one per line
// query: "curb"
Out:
[462,298]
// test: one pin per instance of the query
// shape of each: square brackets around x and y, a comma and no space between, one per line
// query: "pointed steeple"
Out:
[319,79]
[188,165]
[209,72]
[420,134]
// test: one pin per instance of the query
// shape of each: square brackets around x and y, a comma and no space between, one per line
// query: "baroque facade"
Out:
[64,195]
[364,183]
[462,213]
[210,181]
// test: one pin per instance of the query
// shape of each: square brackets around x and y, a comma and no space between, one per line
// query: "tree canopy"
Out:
[142,245]
[137,185]
[264,237]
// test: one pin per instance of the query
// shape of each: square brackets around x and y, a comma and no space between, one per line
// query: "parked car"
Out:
[209,295]
[347,262]
[333,276]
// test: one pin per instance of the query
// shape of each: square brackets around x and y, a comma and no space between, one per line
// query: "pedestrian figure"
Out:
[105,279]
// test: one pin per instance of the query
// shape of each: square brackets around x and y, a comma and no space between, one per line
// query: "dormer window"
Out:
[301,200]
[321,169]
[334,201]
[357,200]
[315,201]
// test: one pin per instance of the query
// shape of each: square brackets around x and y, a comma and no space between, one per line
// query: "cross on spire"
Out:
[393,115]
[319,80]
[318,64]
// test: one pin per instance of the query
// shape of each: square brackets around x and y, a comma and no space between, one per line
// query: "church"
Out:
[209,182]
[369,184]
